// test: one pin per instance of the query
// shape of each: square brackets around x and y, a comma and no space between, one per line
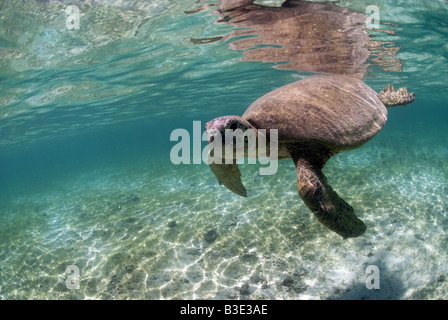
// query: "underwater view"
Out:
[99,201]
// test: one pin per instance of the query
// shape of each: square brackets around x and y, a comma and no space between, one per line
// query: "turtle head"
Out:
[232,133]
[229,138]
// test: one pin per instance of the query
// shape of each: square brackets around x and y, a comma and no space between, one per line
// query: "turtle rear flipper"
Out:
[392,98]
[230,176]
[331,210]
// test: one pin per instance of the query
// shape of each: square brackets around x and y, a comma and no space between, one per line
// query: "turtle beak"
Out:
[212,134]
[211,131]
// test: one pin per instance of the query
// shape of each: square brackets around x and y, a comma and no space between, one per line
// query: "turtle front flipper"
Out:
[230,176]
[331,210]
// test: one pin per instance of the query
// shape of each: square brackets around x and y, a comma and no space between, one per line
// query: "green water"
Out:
[86,178]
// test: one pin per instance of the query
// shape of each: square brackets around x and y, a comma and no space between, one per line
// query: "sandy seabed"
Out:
[171,232]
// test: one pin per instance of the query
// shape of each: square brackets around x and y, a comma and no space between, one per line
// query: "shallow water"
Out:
[86,176]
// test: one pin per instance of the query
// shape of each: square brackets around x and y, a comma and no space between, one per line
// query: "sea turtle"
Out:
[316,118]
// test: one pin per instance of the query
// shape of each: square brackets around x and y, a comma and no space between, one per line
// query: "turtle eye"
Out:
[233,126]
